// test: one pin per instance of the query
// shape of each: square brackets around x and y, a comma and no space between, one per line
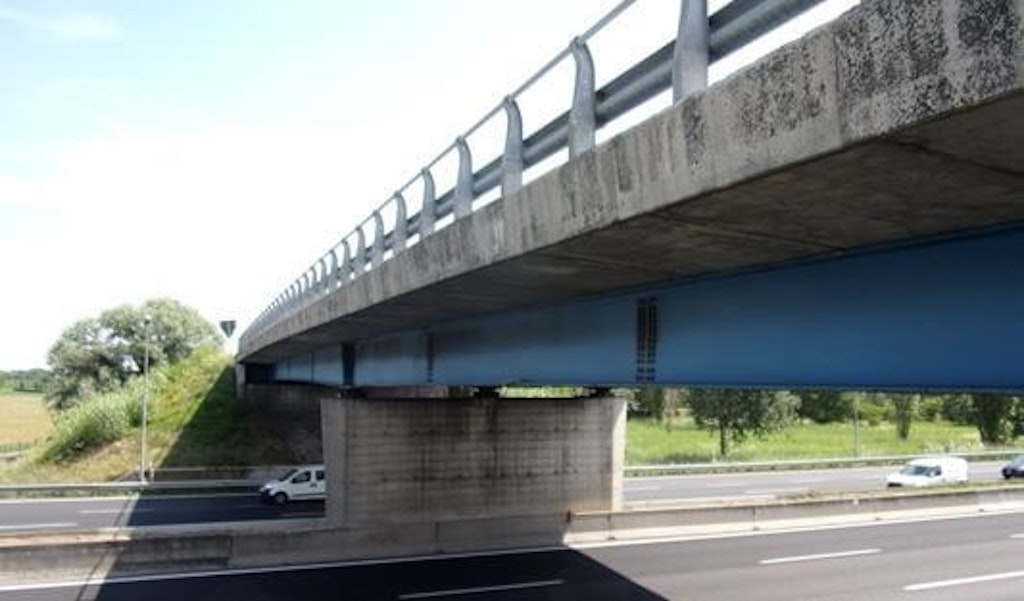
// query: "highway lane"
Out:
[103,512]
[977,557]
[773,484]
[58,514]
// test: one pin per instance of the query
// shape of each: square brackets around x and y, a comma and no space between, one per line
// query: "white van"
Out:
[929,471]
[305,483]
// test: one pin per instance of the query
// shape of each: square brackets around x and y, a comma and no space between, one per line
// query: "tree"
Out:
[99,354]
[993,415]
[737,414]
[958,408]
[649,401]
[824,406]
[903,408]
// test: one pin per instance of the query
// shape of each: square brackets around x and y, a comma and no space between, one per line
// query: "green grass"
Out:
[649,442]
[194,420]
[25,420]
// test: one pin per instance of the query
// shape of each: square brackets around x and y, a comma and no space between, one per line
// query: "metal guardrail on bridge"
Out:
[682,64]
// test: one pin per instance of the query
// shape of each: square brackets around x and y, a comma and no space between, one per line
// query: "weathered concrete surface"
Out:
[421,460]
[287,416]
[900,120]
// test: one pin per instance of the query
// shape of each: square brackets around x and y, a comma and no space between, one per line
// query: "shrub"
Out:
[872,414]
[98,420]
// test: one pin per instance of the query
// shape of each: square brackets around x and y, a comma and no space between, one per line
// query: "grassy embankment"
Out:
[24,421]
[649,442]
[194,420]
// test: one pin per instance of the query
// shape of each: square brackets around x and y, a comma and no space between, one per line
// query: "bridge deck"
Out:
[897,122]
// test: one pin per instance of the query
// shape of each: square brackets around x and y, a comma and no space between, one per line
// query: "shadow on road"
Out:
[552,574]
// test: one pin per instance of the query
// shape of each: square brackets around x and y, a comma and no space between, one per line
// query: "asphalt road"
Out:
[62,514]
[977,558]
[100,512]
[773,484]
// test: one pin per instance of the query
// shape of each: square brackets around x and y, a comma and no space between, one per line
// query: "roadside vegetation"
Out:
[651,441]
[700,426]
[89,427]
[192,403]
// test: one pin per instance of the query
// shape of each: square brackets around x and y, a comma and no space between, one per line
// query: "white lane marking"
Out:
[818,556]
[1018,536]
[641,488]
[726,485]
[39,526]
[809,480]
[110,511]
[927,586]
[483,589]
[775,491]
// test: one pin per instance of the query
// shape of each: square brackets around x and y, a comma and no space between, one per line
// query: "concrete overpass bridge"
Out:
[847,212]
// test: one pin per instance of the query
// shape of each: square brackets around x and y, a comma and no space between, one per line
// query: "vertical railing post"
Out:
[377,253]
[512,160]
[360,266]
[428,213]
[464,183]
[582,116]
[401,231]
[346,265]
[690,59]
[335,279]
[323,285]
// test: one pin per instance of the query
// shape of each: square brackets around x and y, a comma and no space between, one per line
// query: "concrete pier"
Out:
[420,460]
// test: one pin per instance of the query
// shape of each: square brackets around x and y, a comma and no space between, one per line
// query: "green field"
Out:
[649,442]
[25,420]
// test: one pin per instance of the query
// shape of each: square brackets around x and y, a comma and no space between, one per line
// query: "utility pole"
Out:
[143,471]
[856,425]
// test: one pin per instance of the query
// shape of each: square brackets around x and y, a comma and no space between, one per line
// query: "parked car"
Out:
[930,471]
[304,483]
[1015,468]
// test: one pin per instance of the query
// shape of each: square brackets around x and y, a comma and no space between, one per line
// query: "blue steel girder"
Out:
[941,315]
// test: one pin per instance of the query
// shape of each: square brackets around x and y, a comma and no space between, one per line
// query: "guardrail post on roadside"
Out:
[690,58]
[582,116]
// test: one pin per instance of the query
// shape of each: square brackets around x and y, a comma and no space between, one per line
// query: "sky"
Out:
[211,150]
